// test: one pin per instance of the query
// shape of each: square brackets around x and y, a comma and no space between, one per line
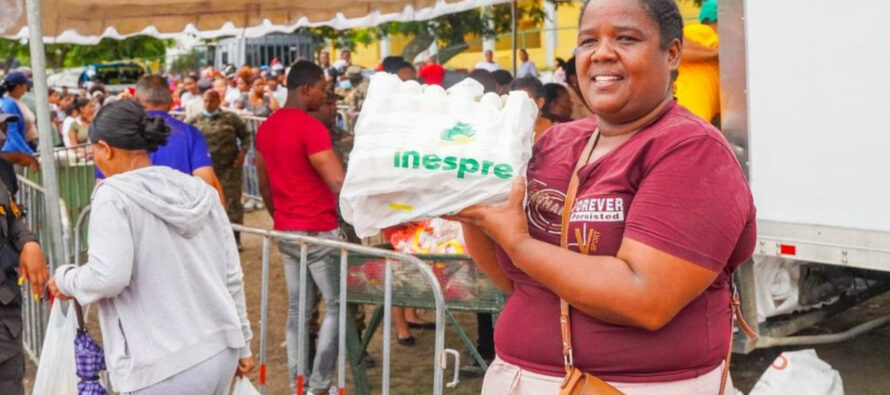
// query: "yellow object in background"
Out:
[698,85]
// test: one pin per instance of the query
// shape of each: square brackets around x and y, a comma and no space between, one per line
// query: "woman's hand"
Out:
[245,366]
[506,224]
[54,290]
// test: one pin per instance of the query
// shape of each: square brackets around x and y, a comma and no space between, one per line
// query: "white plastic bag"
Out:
[244,387]
[57,371]
[799,372]
[778,286]
[420,152]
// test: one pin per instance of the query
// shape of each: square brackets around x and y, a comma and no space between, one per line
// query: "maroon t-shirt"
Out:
[675,186]
[303,201]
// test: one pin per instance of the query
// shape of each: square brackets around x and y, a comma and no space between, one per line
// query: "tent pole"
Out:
[47,159]
[515,35]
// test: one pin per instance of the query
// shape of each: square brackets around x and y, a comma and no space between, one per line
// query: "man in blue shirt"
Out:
[186,150]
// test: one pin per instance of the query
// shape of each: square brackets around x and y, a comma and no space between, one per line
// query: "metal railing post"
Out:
[47,161]
[341,344]
[387,324]
[301,332]
[264,314]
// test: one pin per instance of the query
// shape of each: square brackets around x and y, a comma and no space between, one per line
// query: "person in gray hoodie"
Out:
[163,268]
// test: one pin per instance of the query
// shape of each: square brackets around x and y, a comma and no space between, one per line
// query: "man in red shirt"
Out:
[300,177]
[432,72]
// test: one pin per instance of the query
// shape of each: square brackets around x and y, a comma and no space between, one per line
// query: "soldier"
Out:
[356,97]
[228,141]
[18,250]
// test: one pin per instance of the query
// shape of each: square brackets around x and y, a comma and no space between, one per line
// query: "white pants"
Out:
[211,377]
[503,378]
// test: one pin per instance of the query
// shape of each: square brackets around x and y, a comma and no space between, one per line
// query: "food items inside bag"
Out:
[422,152]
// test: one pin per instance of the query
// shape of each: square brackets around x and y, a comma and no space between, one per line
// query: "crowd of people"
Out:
[648,295]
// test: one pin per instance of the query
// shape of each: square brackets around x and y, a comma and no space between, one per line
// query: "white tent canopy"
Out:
[88,21]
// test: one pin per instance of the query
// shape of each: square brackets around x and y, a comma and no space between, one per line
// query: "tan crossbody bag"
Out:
[577,382]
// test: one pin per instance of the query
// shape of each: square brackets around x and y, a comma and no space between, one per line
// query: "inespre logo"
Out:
[461,134]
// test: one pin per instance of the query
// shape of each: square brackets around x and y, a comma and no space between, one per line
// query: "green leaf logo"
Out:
[461,133]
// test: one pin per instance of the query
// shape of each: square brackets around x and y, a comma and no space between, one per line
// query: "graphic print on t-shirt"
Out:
[545,207]
[598,220]
[599,209]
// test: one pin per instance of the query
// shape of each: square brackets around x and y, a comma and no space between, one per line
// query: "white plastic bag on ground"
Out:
[799,372]
[420,152]
[244,387]
[778,286]
[57,371]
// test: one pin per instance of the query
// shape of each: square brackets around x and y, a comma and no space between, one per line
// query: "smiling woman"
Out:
[637,216]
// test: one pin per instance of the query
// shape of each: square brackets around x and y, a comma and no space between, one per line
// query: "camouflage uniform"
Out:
[223,133]
[356,98]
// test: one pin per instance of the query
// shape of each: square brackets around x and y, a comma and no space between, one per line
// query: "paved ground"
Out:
[862,362]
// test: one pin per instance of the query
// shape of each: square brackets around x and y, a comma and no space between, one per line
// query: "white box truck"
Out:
[805,100]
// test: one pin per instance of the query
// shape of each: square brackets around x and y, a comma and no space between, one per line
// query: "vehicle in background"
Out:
[813,149]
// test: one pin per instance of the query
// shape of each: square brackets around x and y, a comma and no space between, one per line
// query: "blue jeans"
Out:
[322,274]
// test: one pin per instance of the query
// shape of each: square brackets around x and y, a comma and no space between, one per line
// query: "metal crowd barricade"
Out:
[251,179]
[36,312]
[345,249]
[76,172]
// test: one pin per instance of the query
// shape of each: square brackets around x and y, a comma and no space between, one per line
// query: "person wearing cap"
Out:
[14,86]
[228,141]
[697,86]
[20,258]
[163,267]
[356,97]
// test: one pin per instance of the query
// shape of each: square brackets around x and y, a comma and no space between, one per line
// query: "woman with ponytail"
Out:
[163,267]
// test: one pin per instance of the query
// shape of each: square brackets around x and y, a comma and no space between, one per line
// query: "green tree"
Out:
[10,50]
[449,30]
[72,55]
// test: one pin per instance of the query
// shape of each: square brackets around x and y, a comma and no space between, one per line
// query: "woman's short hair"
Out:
[665,13]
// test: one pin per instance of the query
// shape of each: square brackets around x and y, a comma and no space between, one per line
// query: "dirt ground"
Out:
[862,362]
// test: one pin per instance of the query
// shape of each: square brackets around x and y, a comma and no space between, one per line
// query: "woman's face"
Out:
[86,112]
[259,87]
[623,72]
[19,91]
[242,85]
[54,97]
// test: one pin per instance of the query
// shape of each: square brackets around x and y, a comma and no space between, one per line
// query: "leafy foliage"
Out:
[72,55]
[451,31]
